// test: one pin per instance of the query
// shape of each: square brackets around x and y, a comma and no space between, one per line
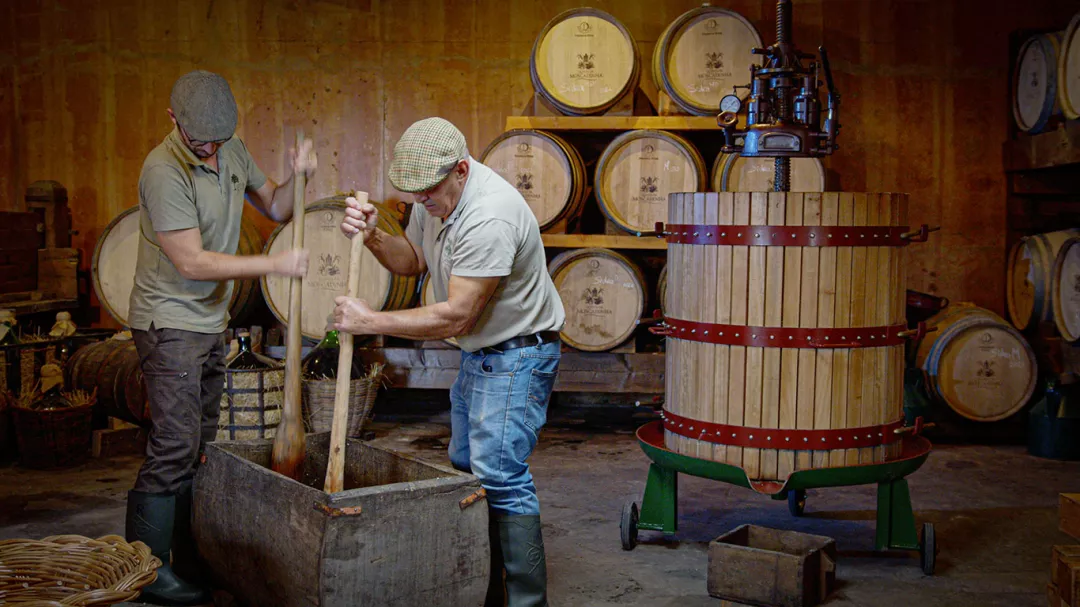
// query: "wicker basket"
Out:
[53,439]
[72,570]
[318,403]
[251,404]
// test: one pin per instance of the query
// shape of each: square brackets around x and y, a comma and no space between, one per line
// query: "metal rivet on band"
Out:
[787,439]
[805,440]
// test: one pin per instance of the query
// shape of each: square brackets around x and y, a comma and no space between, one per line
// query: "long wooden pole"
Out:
[335,469]
[288,453]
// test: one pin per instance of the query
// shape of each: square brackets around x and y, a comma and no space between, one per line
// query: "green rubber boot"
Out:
[496,594]
[523,556]
[151,518]
[185,557]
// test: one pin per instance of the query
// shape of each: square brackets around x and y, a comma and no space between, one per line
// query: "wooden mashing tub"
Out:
[404,532]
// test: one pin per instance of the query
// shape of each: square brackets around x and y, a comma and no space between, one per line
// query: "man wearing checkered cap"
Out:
[479,242]
[192,191]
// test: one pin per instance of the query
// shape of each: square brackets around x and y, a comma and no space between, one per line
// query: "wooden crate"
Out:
[1069,516]
[773,568]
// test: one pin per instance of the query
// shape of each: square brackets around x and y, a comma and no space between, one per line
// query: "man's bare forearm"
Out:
[281,204]
[393,252]
[208,265]
[437,321]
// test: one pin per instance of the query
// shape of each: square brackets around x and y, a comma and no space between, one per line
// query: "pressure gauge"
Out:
[730,103]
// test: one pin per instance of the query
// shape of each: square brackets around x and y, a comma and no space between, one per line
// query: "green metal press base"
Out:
[896,527]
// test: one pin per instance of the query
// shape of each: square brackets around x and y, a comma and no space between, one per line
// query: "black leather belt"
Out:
[522,341]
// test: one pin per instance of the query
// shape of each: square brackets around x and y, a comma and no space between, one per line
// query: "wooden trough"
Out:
[403,532]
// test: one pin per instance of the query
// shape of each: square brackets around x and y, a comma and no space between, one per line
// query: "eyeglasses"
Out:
[195,143]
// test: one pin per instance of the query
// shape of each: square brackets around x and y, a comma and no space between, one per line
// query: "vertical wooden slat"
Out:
[682,290]
[674,376]
[774,316]
[871,377]
[808,318]
[701,392]
[707,369]
[823,397]
[789,361]
[721,373]
[887,392]
[739,286]
[842,318]
[756,408]
[899,309]
[856,386]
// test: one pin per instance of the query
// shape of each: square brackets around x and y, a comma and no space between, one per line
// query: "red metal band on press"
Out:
[786,439]
[786,337]
[787,236]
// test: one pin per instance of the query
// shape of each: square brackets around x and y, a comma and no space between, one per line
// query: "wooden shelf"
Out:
[1057,148]
[612,123]
[578,371]
[605,241]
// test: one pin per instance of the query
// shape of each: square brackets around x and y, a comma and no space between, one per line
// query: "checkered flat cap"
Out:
[204,105]
[426,154]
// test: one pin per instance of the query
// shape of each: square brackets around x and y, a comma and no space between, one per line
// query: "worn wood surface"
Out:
[343,549]
[58,273]
[1070,514]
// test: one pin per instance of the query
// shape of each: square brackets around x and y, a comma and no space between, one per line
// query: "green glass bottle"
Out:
[246,359]
[322,361]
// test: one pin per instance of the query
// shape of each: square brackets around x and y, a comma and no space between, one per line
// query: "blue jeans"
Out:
[498,405]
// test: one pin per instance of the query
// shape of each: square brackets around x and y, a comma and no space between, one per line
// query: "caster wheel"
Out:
[628,525]
[796,502]
[928,549]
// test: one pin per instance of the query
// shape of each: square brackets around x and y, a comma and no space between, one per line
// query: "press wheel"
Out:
[628,525]
[928,549]
[796,502]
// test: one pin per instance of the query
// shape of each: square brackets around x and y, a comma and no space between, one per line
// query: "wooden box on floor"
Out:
[403,532]
[1069,515]
[762,566]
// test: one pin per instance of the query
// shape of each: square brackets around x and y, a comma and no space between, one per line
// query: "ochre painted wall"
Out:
[84,86]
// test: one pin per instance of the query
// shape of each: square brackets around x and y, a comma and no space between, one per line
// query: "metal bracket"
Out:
[473,498]
[336,512]
[921,234]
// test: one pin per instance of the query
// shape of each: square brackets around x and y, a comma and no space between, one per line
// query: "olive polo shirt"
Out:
[178,191]
[491,233]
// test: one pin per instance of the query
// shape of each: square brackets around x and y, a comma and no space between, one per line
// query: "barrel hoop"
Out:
[783,438]
[786,337]
[791,236]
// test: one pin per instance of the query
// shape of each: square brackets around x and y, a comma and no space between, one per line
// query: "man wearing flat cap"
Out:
[191,198]
[479,242]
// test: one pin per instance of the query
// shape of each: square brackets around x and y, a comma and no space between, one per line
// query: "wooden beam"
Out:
[611,123]
[1052,149]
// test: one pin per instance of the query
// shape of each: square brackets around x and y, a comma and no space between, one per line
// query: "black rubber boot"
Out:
[151,518]
[185,556]
[523,556]
[496,594]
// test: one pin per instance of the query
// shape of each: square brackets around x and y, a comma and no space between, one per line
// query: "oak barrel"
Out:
[976,363]
[403,532]
[1068,70]
[1035,82]
[1065,287]
[1028,291]
[767,342]
[661,289]
[603,293]
[547,171]
[702,55]
[117,250]
[112,368]
[733,173]
[326,277]
[427,297]
[638,170]
[584,61]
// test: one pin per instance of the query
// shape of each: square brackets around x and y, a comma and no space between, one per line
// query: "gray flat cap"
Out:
[425,154]
[203,104]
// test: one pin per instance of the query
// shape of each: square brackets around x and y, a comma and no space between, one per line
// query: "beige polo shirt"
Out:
[491,232]
[178,191]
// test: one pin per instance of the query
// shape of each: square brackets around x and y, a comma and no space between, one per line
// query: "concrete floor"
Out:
[995,511]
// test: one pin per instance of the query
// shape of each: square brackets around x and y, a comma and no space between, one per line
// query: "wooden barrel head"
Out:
[583,61]
[327,273]
[985,373]
[702,55]
[113,265]
[1028,292]
[117,251]
[1035,84]
[638,170]
[548,172]
[603,294]
[1069,70]
[733,173]
[1066,286]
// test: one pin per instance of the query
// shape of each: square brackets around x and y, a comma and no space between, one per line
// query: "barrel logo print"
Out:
[714,61]
[329,264]
[986,369]
[524,181]
[593,296]
[585,61]
[649,185]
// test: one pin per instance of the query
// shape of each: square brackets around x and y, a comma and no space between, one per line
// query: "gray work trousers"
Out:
[185,377]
